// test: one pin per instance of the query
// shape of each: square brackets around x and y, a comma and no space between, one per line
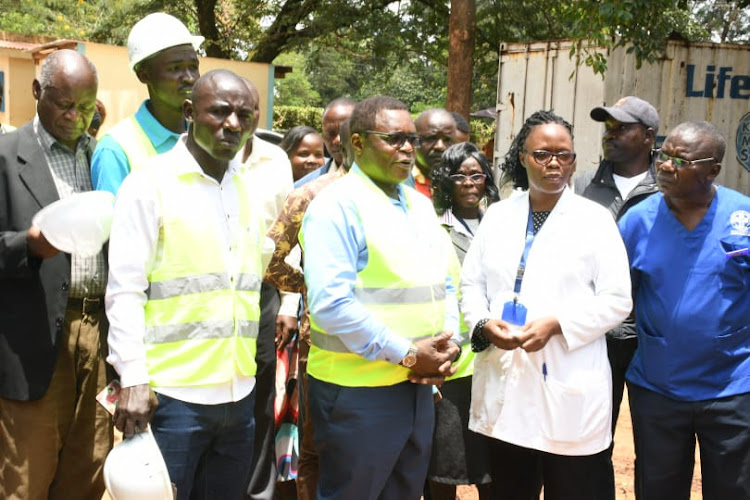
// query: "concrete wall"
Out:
[119,88]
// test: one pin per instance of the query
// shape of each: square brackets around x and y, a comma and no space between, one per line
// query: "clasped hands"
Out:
[531,337]
[435,357]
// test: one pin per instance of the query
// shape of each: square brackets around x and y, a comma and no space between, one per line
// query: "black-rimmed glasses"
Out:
[397,139]
[543,157]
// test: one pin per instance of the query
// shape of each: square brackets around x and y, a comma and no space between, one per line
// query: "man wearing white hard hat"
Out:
[54,436]
[163,56]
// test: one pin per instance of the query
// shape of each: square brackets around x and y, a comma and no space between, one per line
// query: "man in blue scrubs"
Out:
[690,377]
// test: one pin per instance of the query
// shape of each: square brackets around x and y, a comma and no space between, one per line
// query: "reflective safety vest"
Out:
[465,364]
[201,321]
[134,142]
[402,285]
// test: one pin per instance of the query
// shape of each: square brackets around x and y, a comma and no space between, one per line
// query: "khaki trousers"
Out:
[54,448]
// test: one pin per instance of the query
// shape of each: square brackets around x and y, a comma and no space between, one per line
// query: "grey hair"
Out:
[55,62]
[701,127]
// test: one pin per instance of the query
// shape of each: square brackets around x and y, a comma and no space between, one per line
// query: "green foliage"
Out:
[482,130]
[286,117]
[295,88]
[357,48]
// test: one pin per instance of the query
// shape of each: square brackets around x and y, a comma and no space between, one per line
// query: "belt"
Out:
[87,305]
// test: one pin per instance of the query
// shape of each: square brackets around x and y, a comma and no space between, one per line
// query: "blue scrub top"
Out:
[692,304]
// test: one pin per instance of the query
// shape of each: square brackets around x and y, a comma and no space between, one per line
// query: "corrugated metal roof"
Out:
[7,44]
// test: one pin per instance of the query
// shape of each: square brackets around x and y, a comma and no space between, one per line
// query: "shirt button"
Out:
[65,286]
[59,322]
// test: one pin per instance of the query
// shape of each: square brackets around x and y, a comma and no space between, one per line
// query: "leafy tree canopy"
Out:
[361,47]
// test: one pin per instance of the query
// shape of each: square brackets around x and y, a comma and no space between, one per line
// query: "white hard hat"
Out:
[156,32]
[135,470]
[78,224]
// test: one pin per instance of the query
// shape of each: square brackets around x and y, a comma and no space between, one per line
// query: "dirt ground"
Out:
[623,458]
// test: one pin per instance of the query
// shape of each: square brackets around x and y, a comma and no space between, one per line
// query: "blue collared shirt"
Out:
[335,251]
[110,166]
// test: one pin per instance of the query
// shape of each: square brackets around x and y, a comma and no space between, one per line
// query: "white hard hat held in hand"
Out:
[157,32]
[135,470]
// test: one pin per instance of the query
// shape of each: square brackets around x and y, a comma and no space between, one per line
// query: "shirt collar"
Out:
[48,141]
[262,151]
[158,133]
[186,164]
[400,187]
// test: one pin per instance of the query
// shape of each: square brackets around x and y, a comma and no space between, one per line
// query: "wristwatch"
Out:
[411,357]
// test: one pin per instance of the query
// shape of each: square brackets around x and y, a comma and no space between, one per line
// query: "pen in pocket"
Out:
[738,253]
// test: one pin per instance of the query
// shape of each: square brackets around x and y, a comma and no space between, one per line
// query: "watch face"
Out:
[409,361]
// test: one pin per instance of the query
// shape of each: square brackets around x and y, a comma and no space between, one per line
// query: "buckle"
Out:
[92,304]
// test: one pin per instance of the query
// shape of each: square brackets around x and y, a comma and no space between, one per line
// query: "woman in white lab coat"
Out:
[545,278]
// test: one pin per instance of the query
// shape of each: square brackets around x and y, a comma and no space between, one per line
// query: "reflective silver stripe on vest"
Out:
[248,282]
[333,343]
[200,330]
[411,295]
[199,284]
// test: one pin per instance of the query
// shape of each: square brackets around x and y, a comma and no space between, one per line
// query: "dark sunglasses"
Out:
[397,139]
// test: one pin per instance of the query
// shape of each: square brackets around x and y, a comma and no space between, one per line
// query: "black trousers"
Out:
[263,479]
[665,432]
[519,473]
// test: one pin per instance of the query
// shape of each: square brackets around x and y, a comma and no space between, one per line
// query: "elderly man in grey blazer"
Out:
[53,436]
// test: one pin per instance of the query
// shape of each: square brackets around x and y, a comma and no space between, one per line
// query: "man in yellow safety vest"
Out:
[382,311]
[185,261]
[162,55]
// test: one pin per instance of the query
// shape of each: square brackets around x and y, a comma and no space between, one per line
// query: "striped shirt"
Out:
[71,173]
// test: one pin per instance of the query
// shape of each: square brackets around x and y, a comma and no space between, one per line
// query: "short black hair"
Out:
[513,171]
[366,112]
[453,157]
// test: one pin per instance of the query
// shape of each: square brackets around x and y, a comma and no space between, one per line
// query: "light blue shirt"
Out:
[109,164]
[335,251]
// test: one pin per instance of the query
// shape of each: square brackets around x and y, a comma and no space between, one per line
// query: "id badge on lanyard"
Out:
[514,311]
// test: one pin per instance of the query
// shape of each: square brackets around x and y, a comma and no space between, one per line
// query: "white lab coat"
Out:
[577,270]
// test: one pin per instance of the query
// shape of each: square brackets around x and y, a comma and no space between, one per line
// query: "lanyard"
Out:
[463,222]
[525,255]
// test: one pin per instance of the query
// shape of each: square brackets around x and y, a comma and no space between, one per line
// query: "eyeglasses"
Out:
[543,157]
[474,178]
[397,139]
[662,157]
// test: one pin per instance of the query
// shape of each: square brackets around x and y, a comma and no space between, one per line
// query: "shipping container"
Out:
[689,81]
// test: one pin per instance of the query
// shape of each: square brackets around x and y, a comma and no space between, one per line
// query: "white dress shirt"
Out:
[133,247]
[271,180]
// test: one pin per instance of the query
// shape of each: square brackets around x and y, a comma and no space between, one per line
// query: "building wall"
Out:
[119,88]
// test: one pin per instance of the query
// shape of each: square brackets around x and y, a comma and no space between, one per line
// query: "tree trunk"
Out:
[206,12]
[461,55]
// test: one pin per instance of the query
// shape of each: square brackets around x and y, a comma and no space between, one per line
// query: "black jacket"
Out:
[599,186]
[33,292]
